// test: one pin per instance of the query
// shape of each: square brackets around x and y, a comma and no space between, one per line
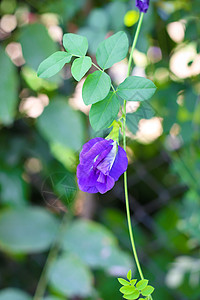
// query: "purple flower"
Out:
[142,5]
[102,162]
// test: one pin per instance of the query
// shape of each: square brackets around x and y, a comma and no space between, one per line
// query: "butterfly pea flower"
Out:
[102,162]
[142,5]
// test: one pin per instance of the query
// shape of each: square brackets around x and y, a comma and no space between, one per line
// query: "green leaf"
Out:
[13,189]
[96,87]
[123,281]
[8,88]
[112,50]
[142,284]
[147,291]
[132,296]
[69,276]
[36,44]
[26,230]
[80,67]
[129,275]
[13,293]
[90,237]
[53,64]
[75,44]
[135,88]
[133,281]
[102,114]
[127,290]
[56,123]
[52,298]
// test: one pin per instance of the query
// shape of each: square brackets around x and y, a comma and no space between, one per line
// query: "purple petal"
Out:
[85,177]
[104,187]
[89,144]
[120,164]
[94,151]
[106,164]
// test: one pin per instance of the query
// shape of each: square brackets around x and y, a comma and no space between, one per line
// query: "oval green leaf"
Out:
[127,290]
[75,44]
[80,67]
[102,114]
[135,88]
[53,64]
[56,123]
[123,281]
[142,284]
[147,291]
[26,230]
[8,88]
[112,50]
[132,296]
[13,293]
[69,276]
[96,87]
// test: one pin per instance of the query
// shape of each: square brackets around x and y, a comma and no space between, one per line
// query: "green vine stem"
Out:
[124,144]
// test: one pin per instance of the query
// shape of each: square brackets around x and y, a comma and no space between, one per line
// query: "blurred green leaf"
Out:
[94,240]
[13,189]
[75,44]
[69,276]
[98,19]
[80,67]
[97,247]
[112,50]
[53,64]
[102,114]
[135,88]
[56,123]
[96,87]
[116,12]
[36,83]
[13,294]
[36,44]
[8,88]
[26,230]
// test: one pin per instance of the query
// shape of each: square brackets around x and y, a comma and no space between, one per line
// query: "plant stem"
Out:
[41,287]
[134,43]
[124,144]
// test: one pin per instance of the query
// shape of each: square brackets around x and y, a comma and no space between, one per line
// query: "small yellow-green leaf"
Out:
[132,296]
[133,281]
[148,290]
[129,275]
[127,289]
[142,284]
[123,281]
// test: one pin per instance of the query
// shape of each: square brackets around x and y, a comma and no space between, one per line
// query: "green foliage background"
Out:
[43,125]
